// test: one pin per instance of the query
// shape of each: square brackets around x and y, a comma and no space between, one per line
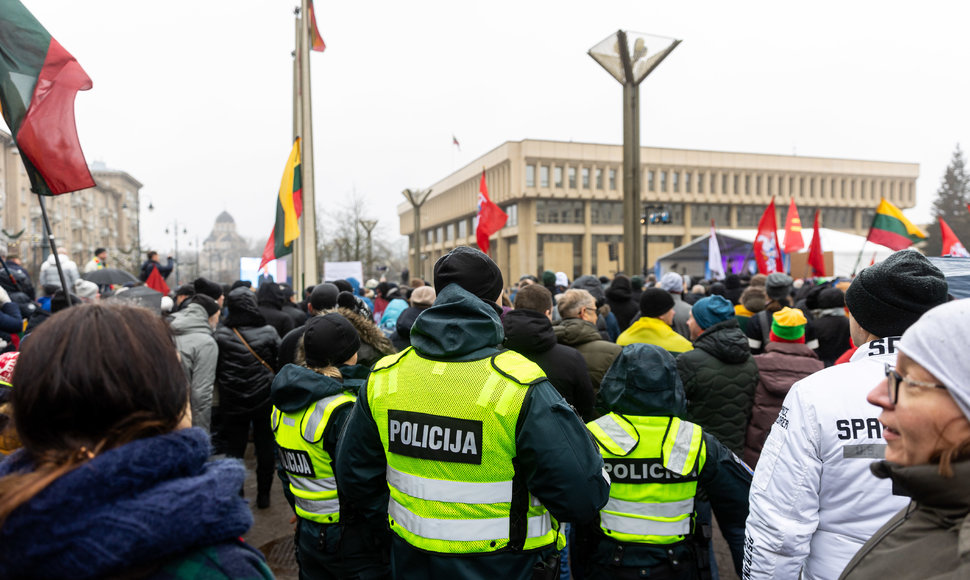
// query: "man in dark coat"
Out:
[270,298]
[528,331]
[578,330]
[620,298]
[291,308]
[719,374]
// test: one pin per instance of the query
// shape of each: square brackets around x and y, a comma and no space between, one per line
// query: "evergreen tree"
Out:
[951,204]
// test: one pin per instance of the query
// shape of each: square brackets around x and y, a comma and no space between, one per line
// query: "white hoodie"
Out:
[48,271]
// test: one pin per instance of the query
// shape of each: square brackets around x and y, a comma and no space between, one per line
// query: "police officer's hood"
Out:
[296,387]
[459,324]
[643,381]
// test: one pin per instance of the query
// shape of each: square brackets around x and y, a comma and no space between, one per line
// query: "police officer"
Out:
[814,502]
[311,403]
[657,462]
[466,451]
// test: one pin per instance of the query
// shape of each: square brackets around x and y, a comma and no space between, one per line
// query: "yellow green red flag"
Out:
[891,228]
[289,208]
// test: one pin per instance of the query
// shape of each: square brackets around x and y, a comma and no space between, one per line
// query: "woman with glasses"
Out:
[925,401]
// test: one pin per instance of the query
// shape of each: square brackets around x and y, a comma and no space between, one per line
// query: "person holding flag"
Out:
[766,247]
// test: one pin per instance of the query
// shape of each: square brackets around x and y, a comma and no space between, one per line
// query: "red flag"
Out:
[793,230]
[766,243]
[156,282]
[951,244]
[490,218]
[316,41]
[815,257]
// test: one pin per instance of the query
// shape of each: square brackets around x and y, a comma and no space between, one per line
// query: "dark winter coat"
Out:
[373,344]
[584,337]
[780,367]
[270,298]
[930,538]
[530,334]
[242,380]
[296,314]
[620,298]
[719,378]
[564,471]
[832,332]
[163,270]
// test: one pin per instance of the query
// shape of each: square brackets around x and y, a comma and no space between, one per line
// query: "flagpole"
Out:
[309,230]
[862,249]
[50,240]
[298,280]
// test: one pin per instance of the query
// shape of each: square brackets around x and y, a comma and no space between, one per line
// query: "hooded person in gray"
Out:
[199,353]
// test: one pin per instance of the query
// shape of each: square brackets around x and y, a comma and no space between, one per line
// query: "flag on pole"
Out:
[793,230]
[714,266]
[490,217]
[157,283]
[766,242]
[289,208]
[38,83]
[316,41]
[816,259]
[951,244]
[454,141]
[891,228]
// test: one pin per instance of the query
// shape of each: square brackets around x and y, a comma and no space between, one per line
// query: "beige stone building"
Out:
[565,200]
[222,250]
[103,216]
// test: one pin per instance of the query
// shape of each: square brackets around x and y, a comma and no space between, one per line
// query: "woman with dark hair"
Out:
[110,481]
[247,356]
[925,418]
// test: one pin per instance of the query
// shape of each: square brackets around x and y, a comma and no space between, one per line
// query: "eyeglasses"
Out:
[893,379]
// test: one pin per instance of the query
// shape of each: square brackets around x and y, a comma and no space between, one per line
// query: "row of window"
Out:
[803,186]
[447,232]
[589,178]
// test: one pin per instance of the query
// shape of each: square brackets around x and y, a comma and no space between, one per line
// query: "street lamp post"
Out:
[175,229]
[652,214]
[369,226]
[416,197]
[629,57]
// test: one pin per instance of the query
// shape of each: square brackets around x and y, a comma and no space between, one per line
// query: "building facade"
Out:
[222,250]
[565,201]
[104,216]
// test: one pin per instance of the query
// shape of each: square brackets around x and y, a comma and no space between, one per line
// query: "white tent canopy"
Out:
[737,254]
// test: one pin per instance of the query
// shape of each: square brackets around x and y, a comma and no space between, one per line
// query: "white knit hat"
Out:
[937,342]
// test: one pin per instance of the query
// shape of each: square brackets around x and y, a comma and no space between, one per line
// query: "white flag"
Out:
[714,267]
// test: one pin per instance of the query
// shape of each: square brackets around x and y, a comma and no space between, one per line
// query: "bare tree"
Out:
[343,238]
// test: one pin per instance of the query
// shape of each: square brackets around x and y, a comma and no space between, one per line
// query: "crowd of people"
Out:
[464,427]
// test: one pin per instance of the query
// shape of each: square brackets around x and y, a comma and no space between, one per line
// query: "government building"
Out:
[564,201]
[103,216]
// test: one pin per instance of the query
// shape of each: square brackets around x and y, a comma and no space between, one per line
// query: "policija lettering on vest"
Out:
[434,437]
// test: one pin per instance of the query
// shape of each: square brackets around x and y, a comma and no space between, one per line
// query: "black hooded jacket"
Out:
[620,298]
[271,298]
[530,334]
[243,381]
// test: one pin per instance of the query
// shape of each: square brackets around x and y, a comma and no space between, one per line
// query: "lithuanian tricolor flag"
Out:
[891,228]
[38,83]
[289,208]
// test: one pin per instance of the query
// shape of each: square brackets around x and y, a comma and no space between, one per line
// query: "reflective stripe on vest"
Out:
[477,530]
[653,463]
[448,430]
[299,436]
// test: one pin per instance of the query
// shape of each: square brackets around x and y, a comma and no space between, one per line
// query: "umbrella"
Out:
[957,272]
[141,296]
[109,276]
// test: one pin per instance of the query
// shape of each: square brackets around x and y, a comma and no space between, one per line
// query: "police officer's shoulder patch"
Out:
[517,368]
[390,360]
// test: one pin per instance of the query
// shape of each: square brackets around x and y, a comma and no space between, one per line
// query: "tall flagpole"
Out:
[309,230]
[296,260]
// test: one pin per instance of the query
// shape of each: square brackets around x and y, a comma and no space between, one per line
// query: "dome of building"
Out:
[224,217]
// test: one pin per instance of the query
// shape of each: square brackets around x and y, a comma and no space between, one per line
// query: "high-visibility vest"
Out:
[448,430]
[653,464]
[299,436]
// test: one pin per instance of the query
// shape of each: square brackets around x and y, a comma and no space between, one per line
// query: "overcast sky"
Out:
[193,98]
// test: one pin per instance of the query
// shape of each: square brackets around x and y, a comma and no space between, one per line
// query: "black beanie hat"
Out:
[206,302]
[655,302]
[470,269]
[887,298]
[343,286]
[207,287]
[329,340]
[324,296]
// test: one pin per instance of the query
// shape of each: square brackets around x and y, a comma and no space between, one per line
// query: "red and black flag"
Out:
[38,83]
